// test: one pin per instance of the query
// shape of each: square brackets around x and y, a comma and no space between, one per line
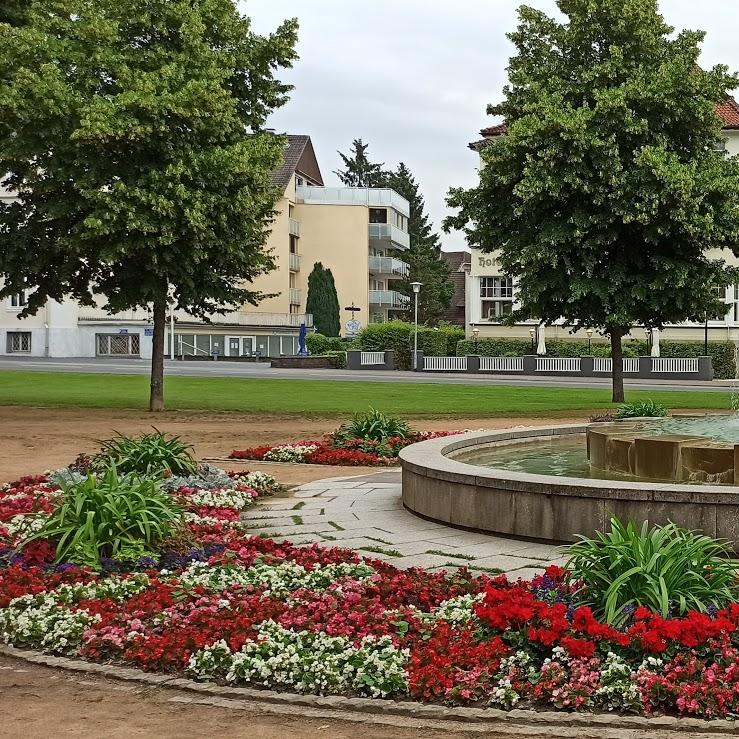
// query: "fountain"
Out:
[554,483]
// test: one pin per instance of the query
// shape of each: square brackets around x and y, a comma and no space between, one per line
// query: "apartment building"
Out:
[491,294]
[359,233]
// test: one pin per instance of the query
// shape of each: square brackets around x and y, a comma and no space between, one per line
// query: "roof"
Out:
[728,111]
[299,157]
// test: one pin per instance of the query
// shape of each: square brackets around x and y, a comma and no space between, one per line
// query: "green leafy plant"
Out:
[664,568]
[641,409]
[154,453]
[123,517]
[373,426]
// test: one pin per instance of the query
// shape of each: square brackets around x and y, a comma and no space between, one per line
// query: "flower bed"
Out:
[244,610]
[339,451]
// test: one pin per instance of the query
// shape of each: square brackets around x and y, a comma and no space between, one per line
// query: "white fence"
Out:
[368,359]
[675,366]
[445,364]
[605,364]
[557,364]
[501,364]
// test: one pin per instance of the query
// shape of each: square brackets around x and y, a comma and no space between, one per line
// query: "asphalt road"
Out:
[262,370]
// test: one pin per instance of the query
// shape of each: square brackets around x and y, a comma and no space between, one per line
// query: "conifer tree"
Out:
[322,301]
[359,170]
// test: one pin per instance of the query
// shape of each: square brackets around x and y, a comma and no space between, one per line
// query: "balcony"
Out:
[294,227]
[234,318]
[390,299]
[389,266]
[295,262]
[295,296]
[384,235]
[370,196]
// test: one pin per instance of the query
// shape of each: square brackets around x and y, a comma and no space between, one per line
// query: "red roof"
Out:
[729,112]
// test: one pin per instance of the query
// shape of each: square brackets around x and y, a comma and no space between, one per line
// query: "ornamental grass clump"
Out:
[666,569]
[150,454]
[373,426]
[641,409]
[109,516]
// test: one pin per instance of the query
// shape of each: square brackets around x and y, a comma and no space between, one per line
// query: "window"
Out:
[19,300]
[492,310]
[122,345]
[293,244]
[377,215]
[19,342]
[400,221]
[496,287]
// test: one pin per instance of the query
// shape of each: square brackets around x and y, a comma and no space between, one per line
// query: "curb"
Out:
[363,708]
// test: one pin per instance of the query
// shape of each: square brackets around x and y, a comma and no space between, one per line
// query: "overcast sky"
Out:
[413,77]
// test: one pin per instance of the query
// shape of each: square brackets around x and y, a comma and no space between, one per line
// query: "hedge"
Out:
[318,344]
[397,336]
[721,352]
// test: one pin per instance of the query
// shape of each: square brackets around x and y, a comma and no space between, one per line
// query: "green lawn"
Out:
[322,398]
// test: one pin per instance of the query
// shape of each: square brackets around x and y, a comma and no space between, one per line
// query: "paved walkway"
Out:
[366,514]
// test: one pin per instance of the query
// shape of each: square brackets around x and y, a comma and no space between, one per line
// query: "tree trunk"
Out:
[156,397]
[617,370]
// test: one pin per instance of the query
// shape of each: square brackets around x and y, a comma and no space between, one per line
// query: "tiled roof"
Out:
[297,148]
[729,112]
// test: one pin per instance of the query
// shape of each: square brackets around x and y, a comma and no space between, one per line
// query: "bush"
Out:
[722,353]
[397,336]
[109,517]
[154,453]
[338,359]
[373,426]
[664,568]
[641,409]
[320,345]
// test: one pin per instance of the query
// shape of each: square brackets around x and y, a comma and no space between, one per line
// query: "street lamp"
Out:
[416,289]
[475,334]
[532,334]
[589,332]
[650,338]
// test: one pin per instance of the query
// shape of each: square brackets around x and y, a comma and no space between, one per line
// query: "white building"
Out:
[491,295]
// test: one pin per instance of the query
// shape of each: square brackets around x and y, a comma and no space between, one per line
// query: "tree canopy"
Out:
[424,255]
[322,301]
[139,154]
[610,186]
[358,170]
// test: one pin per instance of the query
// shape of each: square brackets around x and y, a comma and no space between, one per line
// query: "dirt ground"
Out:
[36,439]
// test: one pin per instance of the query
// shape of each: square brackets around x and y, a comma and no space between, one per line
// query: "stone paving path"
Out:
[366,514]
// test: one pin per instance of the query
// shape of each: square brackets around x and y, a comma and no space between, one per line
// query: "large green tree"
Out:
[139,155]
[424,255]
[322,301]
[358,170]
[609,186]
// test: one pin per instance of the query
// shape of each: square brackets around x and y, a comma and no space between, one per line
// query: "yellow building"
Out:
[490,294]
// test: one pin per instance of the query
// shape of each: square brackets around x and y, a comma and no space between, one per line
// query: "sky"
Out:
[413,78]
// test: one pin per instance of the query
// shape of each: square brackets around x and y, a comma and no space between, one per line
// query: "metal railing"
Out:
[370,196]
[294,262]
[445,364]
[295,296]
[294,226]
[673,366]
[389,298]
[557,364]
[372,358]
[605,364]
[386,232]
[388,266]
[501,364]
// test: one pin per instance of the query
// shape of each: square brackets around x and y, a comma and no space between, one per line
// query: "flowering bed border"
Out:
[382,707]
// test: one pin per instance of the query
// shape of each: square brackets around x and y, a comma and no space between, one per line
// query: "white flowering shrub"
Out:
[25,524]
[308,662]
[457,610]
[290,453]
[504,695]
[618,689]
[223,498]
[260,481]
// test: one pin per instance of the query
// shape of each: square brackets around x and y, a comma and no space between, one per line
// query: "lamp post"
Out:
[589,332]
[705,338]
[475,334]
[416,289]
[650,338]
[532,334]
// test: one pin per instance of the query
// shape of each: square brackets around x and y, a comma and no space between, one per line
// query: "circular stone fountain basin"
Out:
[554,508]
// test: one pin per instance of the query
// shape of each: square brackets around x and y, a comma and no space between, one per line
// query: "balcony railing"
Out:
[390,299]
[295,296]
[235,318]
[294,227]
[371,196]
[295,262]
[388,266]
[384,234]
